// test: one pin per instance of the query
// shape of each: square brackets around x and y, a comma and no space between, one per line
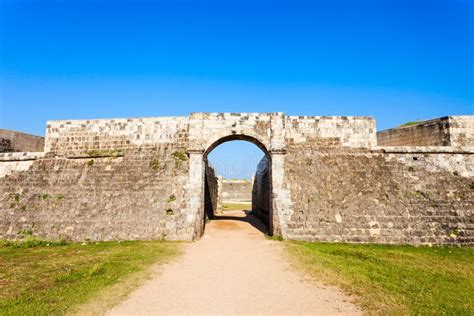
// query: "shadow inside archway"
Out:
[249,217]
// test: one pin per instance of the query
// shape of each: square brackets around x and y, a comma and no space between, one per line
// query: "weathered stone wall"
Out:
[17,162]
[334,131]
[461,129]
[13,141]
[235,191]
[445,131]
[370,196]
[139,195]
[80,137]
[101,180]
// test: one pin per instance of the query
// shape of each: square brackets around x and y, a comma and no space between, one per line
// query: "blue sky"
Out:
[395,60]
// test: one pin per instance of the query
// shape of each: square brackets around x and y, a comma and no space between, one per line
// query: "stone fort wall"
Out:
[138,195]
[13,141]
[235,190]
[445,131]
[144,178]
[77,138]
[98,180]
[403,196]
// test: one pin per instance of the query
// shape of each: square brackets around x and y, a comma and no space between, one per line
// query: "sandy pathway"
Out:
[233,269]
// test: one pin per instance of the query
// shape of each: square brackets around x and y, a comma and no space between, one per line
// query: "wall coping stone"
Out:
[424,149]
[21,156]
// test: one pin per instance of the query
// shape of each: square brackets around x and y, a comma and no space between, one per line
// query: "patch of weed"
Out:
[179,157]
[25,232]
[155,165]
[97,153]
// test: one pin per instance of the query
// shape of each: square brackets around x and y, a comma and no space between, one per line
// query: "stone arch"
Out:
[262,186]
[252,139]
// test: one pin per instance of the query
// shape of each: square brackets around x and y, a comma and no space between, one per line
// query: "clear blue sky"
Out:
[394,60]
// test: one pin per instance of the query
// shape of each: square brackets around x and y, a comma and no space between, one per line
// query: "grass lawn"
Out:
[236,206]
[40,278]
[394,279]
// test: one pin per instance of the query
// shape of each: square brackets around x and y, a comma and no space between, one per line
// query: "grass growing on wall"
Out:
[41,278]
[395,279]
[411,123]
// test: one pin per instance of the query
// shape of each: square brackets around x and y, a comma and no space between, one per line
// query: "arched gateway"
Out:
[207,131]
[262,205]
[145,178]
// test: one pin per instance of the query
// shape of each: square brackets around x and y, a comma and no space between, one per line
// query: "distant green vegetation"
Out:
[51,278]
[411,123]
[236,206]
[395,280]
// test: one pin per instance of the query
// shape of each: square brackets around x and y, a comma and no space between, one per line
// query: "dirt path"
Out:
[233,269]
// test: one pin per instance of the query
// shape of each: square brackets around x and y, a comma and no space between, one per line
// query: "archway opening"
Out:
[238,181]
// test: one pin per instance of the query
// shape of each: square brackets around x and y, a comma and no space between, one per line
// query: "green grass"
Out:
[395,279]
[44,278]
[236,206]
[411,123]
